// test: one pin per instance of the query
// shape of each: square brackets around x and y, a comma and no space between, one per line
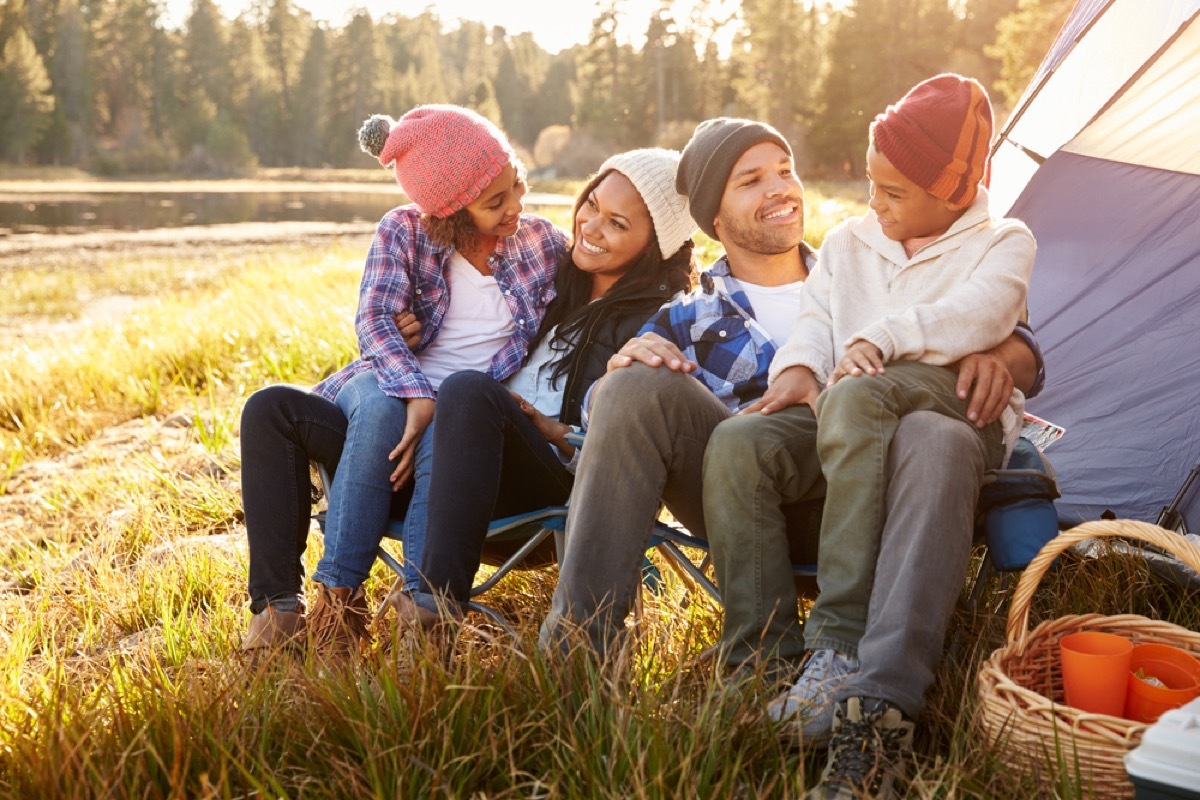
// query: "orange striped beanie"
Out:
[939,136]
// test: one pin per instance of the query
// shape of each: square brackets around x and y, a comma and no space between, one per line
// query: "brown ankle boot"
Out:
[271,629]
[417,622]
[339,622]
[408,613]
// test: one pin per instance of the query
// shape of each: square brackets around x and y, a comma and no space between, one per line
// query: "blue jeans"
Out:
[361,498]
[490,461]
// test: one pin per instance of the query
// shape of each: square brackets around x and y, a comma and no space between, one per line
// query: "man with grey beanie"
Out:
[699,360]
[672,422]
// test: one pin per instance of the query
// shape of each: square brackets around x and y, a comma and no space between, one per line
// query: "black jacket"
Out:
[600,339]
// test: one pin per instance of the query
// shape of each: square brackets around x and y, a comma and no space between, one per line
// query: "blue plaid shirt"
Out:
[406,270]
[715,327]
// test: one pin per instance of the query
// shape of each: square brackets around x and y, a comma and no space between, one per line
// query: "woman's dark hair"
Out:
[570,312]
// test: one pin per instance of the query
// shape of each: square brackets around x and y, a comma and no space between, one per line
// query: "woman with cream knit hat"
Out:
[477,274]
[632,252]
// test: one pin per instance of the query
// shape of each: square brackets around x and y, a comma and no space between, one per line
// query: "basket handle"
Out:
[1173,543]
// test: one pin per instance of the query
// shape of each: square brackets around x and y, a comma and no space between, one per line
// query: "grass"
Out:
[122,600]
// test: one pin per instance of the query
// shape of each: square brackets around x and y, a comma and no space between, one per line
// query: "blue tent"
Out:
[1101,158]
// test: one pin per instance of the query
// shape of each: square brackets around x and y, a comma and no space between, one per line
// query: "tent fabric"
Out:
[1086,75]
[1114,298]
[1146,124]
[1100,161]
[1082,15]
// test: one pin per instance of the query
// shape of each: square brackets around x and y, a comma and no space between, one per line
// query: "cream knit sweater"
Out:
[960,294]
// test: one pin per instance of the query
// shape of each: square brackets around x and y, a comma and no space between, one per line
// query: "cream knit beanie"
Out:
[652,172]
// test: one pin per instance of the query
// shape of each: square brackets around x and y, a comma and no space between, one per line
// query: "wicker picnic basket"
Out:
[1021,708]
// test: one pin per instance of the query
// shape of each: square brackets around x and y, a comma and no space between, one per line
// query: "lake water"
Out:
[44,212]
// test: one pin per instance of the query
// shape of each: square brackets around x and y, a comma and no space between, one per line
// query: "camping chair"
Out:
[525,541]
[522,541]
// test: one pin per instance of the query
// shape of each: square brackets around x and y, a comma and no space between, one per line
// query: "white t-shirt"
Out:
[775,307]
[477,324]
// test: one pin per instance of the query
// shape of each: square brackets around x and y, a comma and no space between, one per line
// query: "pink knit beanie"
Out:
[444,156]
[938,136]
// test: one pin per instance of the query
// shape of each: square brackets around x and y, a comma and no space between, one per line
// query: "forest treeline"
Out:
[108,86]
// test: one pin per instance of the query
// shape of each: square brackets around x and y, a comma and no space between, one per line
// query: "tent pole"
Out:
[1170,518]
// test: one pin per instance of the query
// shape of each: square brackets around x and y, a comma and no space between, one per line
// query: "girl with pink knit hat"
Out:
[477,274]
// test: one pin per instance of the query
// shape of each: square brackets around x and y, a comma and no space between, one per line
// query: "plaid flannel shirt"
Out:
[715,327]
[405,270]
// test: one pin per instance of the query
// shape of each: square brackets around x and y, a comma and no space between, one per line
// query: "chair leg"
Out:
[692,575]
[495,616]
[983,577]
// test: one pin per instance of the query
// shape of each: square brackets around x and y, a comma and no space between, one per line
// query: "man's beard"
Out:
[762,239]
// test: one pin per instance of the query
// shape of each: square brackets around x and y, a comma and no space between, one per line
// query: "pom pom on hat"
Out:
[444,156]
[652,173]
[939,136]
[708,158]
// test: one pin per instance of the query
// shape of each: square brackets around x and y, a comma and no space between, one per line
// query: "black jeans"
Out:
[489,461]
[283,428]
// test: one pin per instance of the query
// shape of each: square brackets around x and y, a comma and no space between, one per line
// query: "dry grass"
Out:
[122,571]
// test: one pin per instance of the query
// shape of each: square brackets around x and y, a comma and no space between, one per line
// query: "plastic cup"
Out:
[1178,672]
[1095,670]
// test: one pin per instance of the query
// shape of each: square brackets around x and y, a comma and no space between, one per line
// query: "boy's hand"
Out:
[419,415]
[984,380]
[409,327]
[794,385]
[861,358]
[653,351]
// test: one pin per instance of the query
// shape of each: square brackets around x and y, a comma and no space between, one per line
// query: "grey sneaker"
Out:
[810,700]
[868,752]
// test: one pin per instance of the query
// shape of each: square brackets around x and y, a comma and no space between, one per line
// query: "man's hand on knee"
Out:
[793,386]
[653,351]
[984,381]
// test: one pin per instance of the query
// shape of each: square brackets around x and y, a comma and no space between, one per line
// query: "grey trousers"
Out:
[856,423]
[648,429]
[934,469]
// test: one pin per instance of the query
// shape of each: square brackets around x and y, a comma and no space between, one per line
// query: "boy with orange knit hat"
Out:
[925,278]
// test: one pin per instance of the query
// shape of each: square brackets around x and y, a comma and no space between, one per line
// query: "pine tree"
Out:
[879,49]
[355,95]
[26,103]
[1022,40]
[66,140]
[313,87]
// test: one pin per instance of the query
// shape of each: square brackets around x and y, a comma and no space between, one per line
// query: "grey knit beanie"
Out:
[652,173]
[709,157]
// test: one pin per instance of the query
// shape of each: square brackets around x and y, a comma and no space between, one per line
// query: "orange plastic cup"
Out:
[1095,670]
[1176,669]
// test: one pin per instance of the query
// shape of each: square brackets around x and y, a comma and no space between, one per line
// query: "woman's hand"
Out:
[419,415]
[555,432]
[409,327]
